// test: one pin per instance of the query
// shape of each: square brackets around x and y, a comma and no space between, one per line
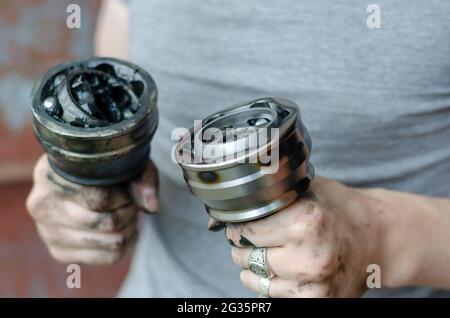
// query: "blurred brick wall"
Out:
[26,269]
[34,37]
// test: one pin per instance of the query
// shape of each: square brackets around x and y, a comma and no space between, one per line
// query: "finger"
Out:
[105,198]
[215,225]
[89,256]
[72,215]
[302,220]
[144,189]
[240,257]
[259,233]
[73,238]
[282,288]
[278,287]
[92,198]
[285,262]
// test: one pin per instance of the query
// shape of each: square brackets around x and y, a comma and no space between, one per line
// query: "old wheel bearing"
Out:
[235,188]
[95,118]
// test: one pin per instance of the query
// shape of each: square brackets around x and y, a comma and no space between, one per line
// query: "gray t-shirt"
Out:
[375,101]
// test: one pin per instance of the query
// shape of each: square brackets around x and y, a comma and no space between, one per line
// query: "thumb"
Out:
[144,189]
[214,225]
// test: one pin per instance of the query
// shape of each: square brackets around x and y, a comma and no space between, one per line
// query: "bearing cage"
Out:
[105,155]
[237,192]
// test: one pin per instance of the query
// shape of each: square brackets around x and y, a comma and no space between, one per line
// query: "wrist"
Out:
[405,234]
[412,239]
[391,237]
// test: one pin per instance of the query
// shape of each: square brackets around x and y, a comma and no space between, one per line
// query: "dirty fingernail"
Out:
[245,242]
[214,225]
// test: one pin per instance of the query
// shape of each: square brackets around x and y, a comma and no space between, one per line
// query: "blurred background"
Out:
[34,37]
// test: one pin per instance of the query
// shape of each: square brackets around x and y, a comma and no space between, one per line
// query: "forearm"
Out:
[112,30]
[415,240]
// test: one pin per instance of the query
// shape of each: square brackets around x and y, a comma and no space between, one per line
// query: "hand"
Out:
[91,225]
[319,246]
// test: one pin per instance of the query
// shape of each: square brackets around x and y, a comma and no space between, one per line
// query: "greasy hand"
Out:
[91,225]
[319,246]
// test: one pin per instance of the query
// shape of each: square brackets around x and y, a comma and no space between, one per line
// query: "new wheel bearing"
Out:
[95,119]
[247,161]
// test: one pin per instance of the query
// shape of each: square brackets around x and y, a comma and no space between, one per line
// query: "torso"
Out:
[375,101]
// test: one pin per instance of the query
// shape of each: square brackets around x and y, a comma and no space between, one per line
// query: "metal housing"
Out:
[235,188]
[101,152]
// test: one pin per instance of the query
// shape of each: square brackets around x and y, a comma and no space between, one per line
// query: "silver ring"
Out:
[264,285]
[257,262]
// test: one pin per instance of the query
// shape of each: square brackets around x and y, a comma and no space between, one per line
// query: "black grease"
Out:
[341,265]
[98,96]
[245,242]
[308,195]
[218,227]
[302,185]
[55,111]
[229,240]
[208,176]
[66,189]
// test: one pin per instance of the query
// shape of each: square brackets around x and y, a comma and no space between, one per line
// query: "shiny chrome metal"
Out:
[224,174]
[257,262]
[95,118]
[264,286]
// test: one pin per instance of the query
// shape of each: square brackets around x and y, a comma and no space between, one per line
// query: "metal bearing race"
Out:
[235,188]
[95,119]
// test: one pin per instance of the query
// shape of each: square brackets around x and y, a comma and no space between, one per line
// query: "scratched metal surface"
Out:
[34,37]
